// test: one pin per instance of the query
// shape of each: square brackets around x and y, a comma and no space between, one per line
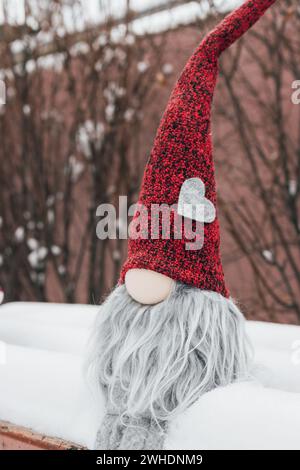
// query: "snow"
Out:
[32,243]
[19,234]
[49,326]
[26,109]
[110,112]
[45,391]
[167,69]
[293,186]
[90,132]
[75,167]
[55,250]
[129,114]
[43,386]
[37,255]
[239,417]
[268,255]
[142,66]
[79,48]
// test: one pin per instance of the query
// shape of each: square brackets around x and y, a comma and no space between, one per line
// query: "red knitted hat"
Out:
[181,165]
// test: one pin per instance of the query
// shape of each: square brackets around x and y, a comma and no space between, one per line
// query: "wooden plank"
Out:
[13,437]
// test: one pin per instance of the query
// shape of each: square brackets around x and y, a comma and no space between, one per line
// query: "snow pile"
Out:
[277,355]
[55,327]
[46,392]
[42,384]
[239,417]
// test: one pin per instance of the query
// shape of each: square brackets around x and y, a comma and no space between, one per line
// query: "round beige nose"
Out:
[147,287]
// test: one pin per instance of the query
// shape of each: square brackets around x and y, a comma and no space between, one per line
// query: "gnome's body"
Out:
[155,359]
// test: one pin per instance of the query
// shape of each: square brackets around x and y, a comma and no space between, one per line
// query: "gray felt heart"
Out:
[192,202]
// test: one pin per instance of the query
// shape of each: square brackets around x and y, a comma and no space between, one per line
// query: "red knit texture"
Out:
[182,150]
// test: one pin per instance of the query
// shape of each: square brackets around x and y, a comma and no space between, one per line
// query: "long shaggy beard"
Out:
[157,360]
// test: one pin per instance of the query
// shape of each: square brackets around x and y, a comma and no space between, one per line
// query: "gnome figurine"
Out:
[169,331]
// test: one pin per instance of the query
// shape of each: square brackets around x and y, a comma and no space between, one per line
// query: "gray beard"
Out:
[154,361]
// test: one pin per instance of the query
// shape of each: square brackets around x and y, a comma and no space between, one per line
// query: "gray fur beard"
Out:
[154,361]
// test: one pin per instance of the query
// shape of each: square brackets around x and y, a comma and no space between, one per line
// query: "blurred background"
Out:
[86,84]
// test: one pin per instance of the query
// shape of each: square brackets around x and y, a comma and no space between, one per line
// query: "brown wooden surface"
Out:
[14,437]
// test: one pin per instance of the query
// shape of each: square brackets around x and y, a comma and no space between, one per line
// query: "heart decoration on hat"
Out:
[193,204]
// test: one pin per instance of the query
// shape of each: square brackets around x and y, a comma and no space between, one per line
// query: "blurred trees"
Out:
[70,140]
[259,157]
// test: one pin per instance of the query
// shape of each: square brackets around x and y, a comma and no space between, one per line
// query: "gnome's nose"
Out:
[148,287]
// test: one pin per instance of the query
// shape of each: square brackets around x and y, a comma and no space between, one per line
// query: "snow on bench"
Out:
[42,386]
